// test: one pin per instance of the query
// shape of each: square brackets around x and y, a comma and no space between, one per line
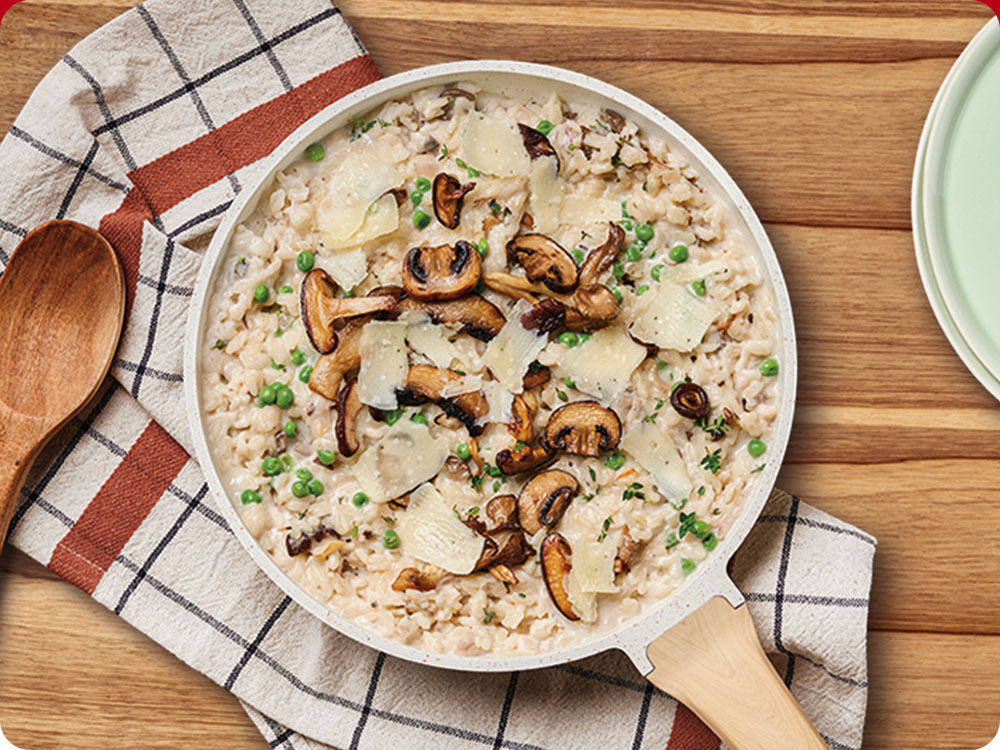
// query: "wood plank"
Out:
[939,539]
[73,675]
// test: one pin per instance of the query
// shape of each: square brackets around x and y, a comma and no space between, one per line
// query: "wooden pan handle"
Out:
[20,441]
[714,664]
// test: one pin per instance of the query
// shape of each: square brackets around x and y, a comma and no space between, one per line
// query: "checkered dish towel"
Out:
[147,130]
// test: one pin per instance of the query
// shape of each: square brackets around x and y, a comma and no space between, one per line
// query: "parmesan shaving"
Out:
[431,532]
[384,364]
[546,194]
[674,318]
[360,179]
[494,145]
[656,453]
[602,366]
[405,457]
[511,352]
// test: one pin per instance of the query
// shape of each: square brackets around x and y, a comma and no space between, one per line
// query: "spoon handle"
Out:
[21,439]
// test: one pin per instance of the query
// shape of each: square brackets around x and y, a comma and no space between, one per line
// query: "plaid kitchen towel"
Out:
[148,129]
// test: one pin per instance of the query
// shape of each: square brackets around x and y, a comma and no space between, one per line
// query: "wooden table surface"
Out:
[815,107]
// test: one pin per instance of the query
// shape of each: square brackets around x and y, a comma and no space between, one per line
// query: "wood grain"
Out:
[815,107]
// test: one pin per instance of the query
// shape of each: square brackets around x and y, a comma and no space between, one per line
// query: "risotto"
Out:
[488,375]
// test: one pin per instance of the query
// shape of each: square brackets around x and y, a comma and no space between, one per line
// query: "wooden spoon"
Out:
[62,303]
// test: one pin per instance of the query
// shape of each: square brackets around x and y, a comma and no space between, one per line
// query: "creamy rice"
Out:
[605,164]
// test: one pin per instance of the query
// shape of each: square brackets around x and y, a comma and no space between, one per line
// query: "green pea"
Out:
[700,529]
[421,219]
[423,184]
[284,398]
[286,462]
[305,261]
[248,497]
[271,466]
[618,270]
[300,489]
[286,290]
[298,357]
[699,288]
[644,232]
[304,373]
[642,290]
[261,293]
[291,429]
[416,197]
[463,451]
[267,394]
[316,152]
[634,252]
[568,338]
[756,448]
[418,418]
[578,255]
[672,540]
[391,417]
[303,475]
[390,539]
[654,272]
[483,246]
[326,457]
[627,224]
[710,542]
[618,294]
[769,367]
[687,566]
[315,487]
[544,127]
[678,253]
[360,499]
[615,461]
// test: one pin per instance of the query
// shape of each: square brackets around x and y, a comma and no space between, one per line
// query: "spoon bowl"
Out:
[62,303]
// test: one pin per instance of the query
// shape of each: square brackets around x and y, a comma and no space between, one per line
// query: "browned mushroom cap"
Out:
[424,579]
[425,383]
[556,565]
[320,308]
[501,511]
[545,316]
[536,376]
[537,144]
[503,574]
[300,545]
[587,308]
[583,427]
[441,273]
[348,407]
[526,458]
[627,549]
[448,196]
[613,119]
[508,548]
[523,410]
[480,318]
[602,257]
[331,368]
[593,307]
[544,260]
[690,400]
[544,499]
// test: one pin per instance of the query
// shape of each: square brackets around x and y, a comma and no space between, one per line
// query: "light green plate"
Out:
[956,207]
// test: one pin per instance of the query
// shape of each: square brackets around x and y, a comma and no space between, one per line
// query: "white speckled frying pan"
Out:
[699,644]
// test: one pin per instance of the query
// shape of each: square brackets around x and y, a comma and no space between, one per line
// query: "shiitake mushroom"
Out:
[690,400]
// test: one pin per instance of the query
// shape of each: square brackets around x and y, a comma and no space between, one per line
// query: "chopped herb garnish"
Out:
[701,490]
[717,428]
[522,595]
[661,365]
[389,520]
[678,504]
[276,366]
[495,207]
[712,461]
[359,127]
[605,527]
[758,469]
[354,531]
[569,382]
[477,481]
[444,153]
[593,474]
[698,529]
[672,540]
[633,490]
[473,512]
[488,617]
[615,461]
[496,486]
[562,395]
[220,344]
